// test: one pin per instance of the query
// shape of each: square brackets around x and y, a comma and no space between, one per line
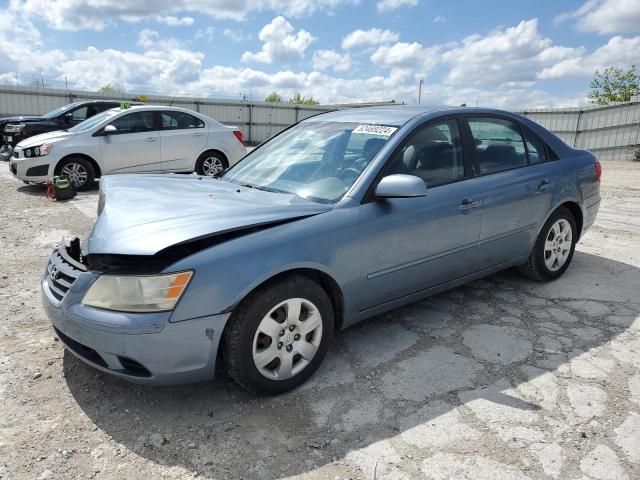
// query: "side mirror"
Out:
[108,130]
[68,117]
[401,186]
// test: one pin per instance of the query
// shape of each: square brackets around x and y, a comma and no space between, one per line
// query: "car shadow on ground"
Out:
[40,189]
[503,347]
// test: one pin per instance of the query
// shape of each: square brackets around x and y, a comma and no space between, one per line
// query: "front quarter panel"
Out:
[226,273]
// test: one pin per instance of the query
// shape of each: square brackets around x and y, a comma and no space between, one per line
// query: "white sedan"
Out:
[136,139]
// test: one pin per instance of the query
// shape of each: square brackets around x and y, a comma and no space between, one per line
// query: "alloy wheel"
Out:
[287,339]
[557,245]
[76,172]
[212,165]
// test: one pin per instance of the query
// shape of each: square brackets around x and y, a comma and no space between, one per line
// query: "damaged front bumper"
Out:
[145,348]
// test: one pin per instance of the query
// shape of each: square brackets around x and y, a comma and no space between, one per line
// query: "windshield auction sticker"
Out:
[380,130]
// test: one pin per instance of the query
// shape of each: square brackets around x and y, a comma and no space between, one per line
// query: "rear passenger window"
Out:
[535,149]
[499,144]
[179,121]
[433,153]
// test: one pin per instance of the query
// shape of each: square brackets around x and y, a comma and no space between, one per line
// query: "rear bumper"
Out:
[140,348]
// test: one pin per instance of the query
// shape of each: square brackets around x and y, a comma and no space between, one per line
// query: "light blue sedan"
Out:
[343,216]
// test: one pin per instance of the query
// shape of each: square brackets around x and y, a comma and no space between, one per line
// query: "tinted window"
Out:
[499,144]
[433,153]
[535,149]
[79,114]
[134,122]
[180,120]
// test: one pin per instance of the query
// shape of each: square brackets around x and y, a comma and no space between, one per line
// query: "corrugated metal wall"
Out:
[611,132]
[257,120]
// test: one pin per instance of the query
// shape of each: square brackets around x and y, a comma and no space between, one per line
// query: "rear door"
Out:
[183,137]
[134,146]
[517,180]
[411,244]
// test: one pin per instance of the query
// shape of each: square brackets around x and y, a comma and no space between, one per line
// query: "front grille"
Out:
[62,272]
[39,171]
[14,169]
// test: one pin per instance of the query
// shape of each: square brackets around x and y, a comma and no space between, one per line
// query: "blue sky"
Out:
[499,53]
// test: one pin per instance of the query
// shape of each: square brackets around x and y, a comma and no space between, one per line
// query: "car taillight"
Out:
[238,135]
[598,171]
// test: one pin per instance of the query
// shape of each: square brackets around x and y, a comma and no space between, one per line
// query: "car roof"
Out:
[153,107]
[397,115]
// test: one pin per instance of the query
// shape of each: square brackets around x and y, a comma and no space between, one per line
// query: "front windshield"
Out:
[91,122]
[59,110]
[314,160]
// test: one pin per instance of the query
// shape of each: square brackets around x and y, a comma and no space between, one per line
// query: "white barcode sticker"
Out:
[380,130]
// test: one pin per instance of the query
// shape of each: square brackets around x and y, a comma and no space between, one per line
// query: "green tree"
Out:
[299,99]
[273,97]
[614,85]
[108,89]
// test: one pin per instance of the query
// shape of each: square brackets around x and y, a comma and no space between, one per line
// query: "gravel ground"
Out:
[502,378]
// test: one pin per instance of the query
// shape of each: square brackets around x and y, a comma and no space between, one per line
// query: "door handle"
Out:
[152,139]
[468,204]
[544,184]
[196,134]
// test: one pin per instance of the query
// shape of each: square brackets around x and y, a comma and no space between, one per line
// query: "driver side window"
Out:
[432,153]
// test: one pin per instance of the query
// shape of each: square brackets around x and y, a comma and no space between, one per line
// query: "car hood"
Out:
[142,214]
[22,119]
[49,137]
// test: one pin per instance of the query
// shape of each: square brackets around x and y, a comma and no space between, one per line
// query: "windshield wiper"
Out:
[261,187]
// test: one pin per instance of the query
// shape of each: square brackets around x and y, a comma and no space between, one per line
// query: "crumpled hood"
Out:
[141,214]
[49,137]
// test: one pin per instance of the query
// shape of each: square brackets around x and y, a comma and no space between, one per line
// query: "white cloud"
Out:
[386,5]
[98,14]
[606,16]
[411,56]
[509,57]
[234,35]
[207,33]
[618,51]
[367,38]
[280,43]
[174,21]
[325,59]
[439,19]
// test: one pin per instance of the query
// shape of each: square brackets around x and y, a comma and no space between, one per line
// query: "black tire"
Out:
[536,267]
[82,163]
[218,159]
[240,333]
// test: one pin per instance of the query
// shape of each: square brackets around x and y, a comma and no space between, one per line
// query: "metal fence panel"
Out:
[612,132]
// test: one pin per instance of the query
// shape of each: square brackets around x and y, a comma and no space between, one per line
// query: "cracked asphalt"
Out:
[502,378]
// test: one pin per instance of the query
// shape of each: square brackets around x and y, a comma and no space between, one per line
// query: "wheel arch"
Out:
[322,278]
[574,207]
[213,150]
[94,164]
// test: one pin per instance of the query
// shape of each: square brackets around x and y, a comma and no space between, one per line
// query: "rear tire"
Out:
[554,247]
[79,170]
[279,335]
[211,164]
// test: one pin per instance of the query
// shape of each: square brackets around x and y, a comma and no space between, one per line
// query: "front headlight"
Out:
[39,151]
[14,127]
[155,293]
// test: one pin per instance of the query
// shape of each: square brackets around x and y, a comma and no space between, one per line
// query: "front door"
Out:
[411,244]
[134,146]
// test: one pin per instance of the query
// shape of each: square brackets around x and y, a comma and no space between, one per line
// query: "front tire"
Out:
[211,164]
[554,247]
[80,172]
[279,335]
